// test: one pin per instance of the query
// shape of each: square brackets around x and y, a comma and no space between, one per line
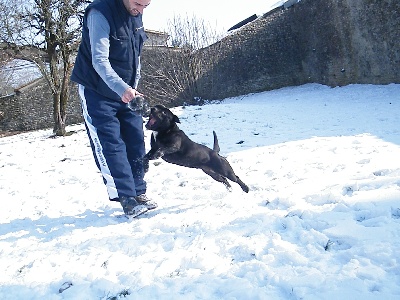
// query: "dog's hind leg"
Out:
[244,187]
[227,171]
[217,177]
[234,178]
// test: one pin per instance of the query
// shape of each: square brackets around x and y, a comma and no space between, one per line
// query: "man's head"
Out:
[136,7]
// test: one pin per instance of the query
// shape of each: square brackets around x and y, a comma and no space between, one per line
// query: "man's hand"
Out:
[140,105]
[129,94]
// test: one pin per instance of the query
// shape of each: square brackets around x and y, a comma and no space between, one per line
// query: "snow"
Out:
[321,220]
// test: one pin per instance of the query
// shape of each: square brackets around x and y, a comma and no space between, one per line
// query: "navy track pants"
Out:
[117,140]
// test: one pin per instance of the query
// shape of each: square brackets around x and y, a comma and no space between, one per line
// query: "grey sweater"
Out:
[99,31]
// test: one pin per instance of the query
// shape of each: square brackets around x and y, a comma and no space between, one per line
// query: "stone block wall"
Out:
[31,108]
[332,42]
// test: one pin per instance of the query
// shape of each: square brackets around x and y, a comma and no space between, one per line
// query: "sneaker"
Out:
[132,207]
[142,199]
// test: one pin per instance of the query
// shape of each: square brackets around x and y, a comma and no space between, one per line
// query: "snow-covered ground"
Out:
[321,220]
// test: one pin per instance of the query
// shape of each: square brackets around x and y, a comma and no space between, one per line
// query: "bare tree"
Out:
[171,74]
[47,33]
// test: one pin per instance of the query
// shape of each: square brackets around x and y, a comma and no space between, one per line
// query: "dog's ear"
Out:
[176,119]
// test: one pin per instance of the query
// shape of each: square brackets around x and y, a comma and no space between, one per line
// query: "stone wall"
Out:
[31,108]
[332,42]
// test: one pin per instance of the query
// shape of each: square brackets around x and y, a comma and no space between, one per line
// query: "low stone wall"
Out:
[32,108]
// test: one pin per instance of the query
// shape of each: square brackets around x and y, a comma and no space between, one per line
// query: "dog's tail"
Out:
[216,146]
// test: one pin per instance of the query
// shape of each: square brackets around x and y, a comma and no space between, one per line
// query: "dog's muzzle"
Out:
[151,122]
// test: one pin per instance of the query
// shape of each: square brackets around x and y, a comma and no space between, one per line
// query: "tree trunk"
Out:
[59,115]
[61,101]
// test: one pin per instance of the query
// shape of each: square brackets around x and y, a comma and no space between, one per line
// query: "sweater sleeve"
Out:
[99,31]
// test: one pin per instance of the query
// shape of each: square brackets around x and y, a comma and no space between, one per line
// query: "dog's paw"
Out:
[158,154]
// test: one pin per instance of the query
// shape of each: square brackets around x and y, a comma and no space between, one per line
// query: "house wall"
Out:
[156,38]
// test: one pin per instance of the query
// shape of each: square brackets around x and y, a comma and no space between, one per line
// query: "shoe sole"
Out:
[138,210]
[151,206]
[148,205]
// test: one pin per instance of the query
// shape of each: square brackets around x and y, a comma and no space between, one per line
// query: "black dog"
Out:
[172,145]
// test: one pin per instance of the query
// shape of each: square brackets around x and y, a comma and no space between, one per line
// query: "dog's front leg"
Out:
[154,154]
[155,149]
[159,150]
[151,155]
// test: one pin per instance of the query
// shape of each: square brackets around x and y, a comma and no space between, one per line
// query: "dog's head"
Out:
[161,118]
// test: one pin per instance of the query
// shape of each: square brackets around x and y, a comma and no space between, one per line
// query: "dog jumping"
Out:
[172,145]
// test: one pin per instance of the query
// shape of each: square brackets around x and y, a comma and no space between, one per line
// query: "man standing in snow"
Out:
[107,69]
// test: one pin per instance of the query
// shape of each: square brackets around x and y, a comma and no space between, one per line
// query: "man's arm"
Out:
[99,32]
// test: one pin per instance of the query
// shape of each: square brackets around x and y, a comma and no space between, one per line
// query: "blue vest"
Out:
[126,40]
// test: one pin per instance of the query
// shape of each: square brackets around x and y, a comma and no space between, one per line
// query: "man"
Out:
[107,69]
